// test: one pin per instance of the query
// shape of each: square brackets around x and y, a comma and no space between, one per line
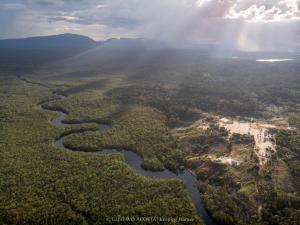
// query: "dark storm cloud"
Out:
[87,17]
[240,23]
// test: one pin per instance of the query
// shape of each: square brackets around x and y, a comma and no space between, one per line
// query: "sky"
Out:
[243,24]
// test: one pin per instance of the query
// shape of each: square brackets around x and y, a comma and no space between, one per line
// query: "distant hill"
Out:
[137,56]
[55,42]
[26,53]
[123,52]
[75,50]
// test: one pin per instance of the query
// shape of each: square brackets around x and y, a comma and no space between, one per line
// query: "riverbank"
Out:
[134,160]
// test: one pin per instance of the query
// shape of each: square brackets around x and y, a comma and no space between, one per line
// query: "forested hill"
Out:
[20,54]
[54,42]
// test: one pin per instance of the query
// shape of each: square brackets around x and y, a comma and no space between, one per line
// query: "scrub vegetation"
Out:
[41,184]
[152,112]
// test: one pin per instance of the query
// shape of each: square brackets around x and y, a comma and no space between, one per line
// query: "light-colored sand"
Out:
[225,160]
[263,140]
[264,144]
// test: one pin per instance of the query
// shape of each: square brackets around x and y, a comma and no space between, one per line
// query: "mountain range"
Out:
[77,50]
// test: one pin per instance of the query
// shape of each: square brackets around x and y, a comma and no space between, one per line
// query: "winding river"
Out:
[133,160]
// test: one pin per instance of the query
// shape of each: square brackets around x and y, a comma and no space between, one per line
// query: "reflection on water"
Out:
[135,161]
[273,60]
[191,183]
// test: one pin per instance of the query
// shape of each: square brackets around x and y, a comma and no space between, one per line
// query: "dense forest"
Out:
[216,88]
[152,110]
[41,184]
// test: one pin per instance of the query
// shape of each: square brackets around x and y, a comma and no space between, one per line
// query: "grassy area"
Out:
[41,184]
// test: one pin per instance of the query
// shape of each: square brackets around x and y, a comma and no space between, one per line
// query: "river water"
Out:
[135,161]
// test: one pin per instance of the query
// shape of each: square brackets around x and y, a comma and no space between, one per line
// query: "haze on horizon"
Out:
[250,25]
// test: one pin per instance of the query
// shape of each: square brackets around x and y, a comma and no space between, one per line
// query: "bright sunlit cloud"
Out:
[265,11]
[243,24]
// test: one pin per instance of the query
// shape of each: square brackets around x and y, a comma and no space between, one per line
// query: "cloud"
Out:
[100,6]
[47,2]
[231,23]
[12,6]
[266,10]
[63,18]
